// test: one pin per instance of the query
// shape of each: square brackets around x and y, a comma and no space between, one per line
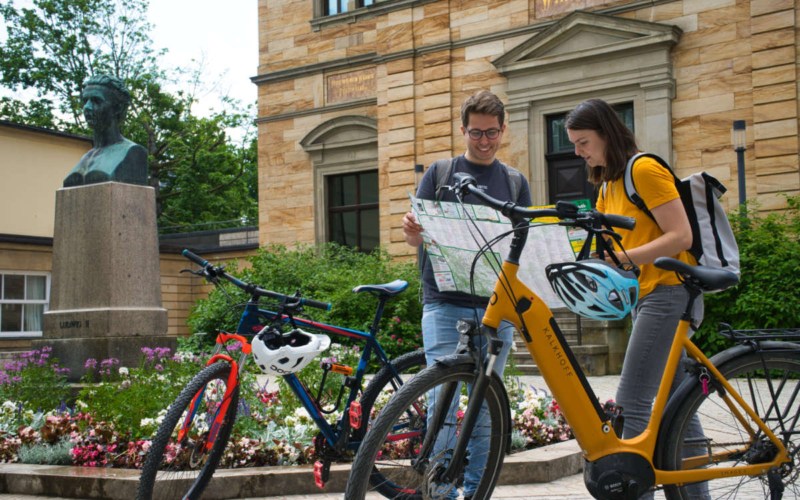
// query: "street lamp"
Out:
[740,146]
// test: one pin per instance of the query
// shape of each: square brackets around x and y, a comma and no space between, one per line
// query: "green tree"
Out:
[53,46]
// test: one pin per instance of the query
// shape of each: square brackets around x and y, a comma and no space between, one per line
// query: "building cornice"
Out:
[47,131]
[375,58]
[22,239]
[360,103]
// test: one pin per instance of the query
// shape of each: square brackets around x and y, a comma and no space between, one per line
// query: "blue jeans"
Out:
[440,338]
[655,320]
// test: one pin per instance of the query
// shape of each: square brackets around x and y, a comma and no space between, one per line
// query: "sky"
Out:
[223,34]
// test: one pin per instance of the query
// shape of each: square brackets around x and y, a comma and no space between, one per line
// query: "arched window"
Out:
[346,191]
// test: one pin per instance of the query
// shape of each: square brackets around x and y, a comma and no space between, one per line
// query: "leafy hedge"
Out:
[768,295]
[327,272]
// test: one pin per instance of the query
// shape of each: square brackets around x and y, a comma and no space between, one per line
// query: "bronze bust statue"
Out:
[113,157]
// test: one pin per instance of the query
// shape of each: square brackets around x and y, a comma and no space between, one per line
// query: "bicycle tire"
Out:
[724,434]
[167,478]
[383,379]
[400,480]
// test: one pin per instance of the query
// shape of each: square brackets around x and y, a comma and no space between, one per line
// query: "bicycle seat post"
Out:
[376,321]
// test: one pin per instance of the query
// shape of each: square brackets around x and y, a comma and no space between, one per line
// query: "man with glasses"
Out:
[482,124]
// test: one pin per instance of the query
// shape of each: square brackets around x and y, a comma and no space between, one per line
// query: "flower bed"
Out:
[119,409]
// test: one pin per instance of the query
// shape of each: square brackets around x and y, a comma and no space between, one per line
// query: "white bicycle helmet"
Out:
[298,349]
[594,288]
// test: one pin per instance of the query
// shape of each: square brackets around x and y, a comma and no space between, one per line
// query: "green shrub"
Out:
[768,295]
[327,273]
[59,453]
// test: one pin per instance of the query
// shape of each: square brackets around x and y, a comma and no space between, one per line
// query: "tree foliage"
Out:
[53,46]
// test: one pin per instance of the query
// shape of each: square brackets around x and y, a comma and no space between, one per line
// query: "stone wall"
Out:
[735,59]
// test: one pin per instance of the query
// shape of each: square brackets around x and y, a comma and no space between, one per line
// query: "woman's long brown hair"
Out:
[598,115]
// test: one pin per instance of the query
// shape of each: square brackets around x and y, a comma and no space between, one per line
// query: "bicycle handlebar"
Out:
[465,183]
[218,272]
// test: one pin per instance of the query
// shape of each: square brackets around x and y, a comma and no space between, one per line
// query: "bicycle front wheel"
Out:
[430,406]
[729,438]
[191,439]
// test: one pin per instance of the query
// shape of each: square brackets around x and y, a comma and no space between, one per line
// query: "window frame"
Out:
[360,4]
[4,335]
[358,207]
[320,20]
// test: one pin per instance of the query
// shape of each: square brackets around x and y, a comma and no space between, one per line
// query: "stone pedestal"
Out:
[105,295]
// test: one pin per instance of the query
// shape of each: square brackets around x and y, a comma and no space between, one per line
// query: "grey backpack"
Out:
[713,243]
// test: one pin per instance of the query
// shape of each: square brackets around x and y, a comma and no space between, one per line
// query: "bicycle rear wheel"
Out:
[388,460]
[177,469]
[384,384]
[726,441]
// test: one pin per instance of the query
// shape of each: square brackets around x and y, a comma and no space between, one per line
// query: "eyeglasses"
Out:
[475,134]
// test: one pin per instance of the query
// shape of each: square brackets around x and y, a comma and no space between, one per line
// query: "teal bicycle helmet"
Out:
[594,288]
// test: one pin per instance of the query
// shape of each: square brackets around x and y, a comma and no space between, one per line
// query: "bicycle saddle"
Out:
[388,289]
[707,278]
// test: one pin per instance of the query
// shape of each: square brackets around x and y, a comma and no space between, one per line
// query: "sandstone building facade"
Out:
[353,94]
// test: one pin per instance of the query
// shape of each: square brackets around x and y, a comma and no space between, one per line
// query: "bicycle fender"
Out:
[690,383]
[455,359]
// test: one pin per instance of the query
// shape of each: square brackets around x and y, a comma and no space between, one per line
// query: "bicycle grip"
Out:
[619,221]
[194,258]
[325,306]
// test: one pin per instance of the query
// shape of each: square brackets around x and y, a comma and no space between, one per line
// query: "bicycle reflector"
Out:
[355,415]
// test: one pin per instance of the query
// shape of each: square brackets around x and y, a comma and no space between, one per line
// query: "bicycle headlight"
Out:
[464,326]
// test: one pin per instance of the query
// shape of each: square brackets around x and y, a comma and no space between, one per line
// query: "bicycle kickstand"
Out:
[775,484]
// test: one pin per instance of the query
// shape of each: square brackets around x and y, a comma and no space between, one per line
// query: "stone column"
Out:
[105,297]
[775,102]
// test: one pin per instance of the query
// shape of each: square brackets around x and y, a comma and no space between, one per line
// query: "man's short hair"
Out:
[121,94]
[482,103]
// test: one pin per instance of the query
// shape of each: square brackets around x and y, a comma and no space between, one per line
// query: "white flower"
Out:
[147,422]
[80,404]
[123,371]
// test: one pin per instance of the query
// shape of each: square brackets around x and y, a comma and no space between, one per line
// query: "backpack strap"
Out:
[514,181]
[442,170]
[630,186]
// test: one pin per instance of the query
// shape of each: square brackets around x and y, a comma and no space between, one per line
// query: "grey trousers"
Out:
[655,320]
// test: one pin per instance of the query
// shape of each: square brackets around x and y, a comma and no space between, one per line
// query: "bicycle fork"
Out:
[447,397]
[231,384]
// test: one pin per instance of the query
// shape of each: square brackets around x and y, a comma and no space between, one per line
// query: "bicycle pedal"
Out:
[322,473]
[355,415]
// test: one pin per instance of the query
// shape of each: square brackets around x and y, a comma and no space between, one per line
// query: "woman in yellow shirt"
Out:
[606,144]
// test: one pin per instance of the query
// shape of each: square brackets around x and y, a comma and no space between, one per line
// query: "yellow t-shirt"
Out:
[656,186]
